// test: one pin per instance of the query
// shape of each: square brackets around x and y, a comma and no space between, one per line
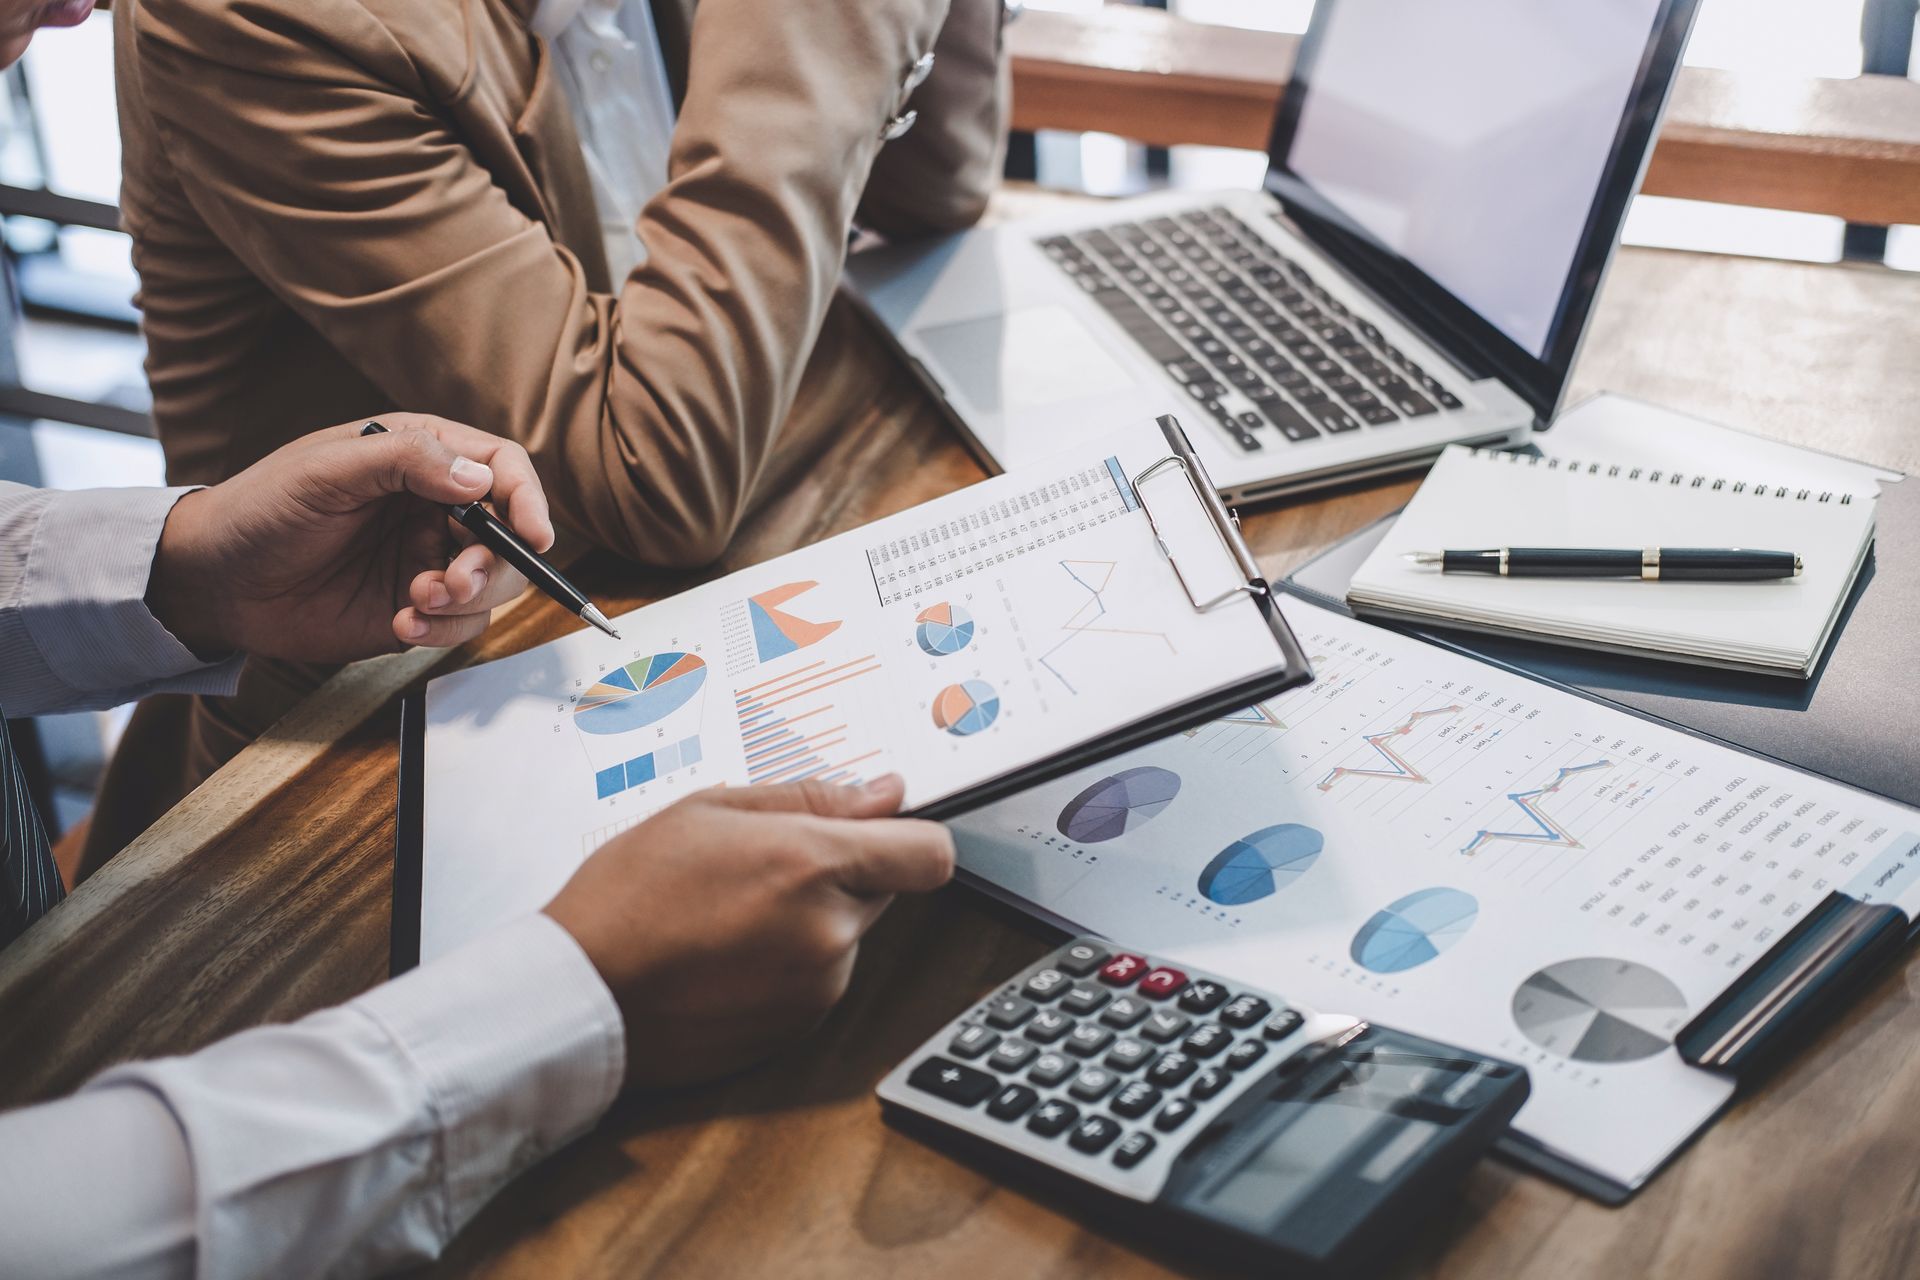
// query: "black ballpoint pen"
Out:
[1652,564]
[506,544]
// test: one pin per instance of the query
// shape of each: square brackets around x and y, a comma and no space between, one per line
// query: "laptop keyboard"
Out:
[1265,350]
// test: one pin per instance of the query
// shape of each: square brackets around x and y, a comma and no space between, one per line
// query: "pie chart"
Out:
[641,693]
[1413,930]
[1597,1009]
[1116,805]
[966,708]
[1254,866]
[944,629]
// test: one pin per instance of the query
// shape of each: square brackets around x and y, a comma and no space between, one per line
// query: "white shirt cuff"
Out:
[84,596]
[521,1045]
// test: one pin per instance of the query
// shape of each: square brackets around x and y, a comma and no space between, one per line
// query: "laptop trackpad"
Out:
[1019,359]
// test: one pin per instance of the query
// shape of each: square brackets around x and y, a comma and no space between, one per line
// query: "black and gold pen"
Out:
[1651,564]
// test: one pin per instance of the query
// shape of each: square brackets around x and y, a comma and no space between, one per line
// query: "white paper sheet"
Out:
[952,643]
[1427,841]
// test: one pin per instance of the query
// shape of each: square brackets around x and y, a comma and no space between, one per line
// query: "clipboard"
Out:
[1800,982]
[1160,482]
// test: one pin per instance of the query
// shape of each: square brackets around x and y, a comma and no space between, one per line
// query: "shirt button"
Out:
[916,76]
[600,63]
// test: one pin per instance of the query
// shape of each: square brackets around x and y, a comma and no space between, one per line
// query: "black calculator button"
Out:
[1080,959]
[1245,1054]
[949,1080]
[1094,1134]
[1136,1100]
[1165,1025]
[1207,1039]
[1124,1012]
[1170,1069]
[1052,1117]
[1093,1084]
[1128,1054]
[1208,1083]
[1012,1102]
[1013,1054]
[1088,1039]
[1050,1069]
[1136,1148]
[1048,1025]
[1282,1024]
[1204,996]
[1173,1115]
[1046,984]
[1244,1011]
[1009,1012]
[1084,999]
[973,1041]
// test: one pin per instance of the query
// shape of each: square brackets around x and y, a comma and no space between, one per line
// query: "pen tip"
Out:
[592,614]
[1422,557]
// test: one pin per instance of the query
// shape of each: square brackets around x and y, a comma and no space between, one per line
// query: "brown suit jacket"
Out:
[345,207]
[341,207]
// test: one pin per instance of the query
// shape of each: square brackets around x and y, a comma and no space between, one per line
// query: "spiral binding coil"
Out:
[1673,478]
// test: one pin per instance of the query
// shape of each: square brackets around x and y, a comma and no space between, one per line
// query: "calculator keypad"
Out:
[1105,1052]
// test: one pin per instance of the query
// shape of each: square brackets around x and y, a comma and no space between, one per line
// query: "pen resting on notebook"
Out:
[1651,564]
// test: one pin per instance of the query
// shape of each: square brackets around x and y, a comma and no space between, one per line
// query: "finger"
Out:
[406,458]
[875,799]
[426,631]
[432,592]
[891,855]
[423,542]
[517,492]
[470,573]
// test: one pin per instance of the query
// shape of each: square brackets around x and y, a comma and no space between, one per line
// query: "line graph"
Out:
[1095,577]
[1544,830]
[1397,767]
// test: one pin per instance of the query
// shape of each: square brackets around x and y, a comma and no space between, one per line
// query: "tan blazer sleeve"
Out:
[940,175]
[309,139]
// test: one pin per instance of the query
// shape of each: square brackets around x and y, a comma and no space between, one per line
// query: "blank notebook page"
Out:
[1476,499]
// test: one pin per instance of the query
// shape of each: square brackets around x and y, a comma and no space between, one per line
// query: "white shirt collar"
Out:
[551,17]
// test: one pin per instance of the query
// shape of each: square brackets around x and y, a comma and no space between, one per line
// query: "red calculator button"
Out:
[1162,983]
[1122,970]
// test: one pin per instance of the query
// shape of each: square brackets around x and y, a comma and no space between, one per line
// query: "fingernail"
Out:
[438,597]
[479,582]
[416,628]
[469,474]
[882,785]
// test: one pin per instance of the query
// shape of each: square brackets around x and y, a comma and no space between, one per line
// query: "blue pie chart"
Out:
[943,629]
[1117,804]
[1410,931]
[1255,866]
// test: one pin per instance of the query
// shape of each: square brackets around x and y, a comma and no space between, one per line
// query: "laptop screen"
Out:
[1482,146]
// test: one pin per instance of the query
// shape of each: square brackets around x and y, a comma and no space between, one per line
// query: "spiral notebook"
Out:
[1478,498]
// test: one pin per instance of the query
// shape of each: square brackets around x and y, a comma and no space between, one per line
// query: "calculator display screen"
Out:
[1291,1162]
[1311,1139]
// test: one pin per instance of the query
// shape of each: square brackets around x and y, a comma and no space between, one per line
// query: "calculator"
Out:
[1211,1113]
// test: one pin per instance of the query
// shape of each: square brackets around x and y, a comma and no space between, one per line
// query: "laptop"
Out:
[1444,191]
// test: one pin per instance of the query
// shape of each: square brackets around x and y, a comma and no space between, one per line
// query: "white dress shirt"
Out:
[607,56]
[354,1141]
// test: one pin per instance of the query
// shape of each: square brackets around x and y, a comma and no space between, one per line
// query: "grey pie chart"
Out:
[1601,1010]
[1118,803]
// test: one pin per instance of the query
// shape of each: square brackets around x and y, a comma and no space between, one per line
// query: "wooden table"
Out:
[265,895]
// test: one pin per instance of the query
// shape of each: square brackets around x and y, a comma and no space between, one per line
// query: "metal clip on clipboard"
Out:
[1225,523]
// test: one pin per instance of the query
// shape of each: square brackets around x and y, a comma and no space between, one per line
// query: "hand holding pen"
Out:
[490,533]
[336,547]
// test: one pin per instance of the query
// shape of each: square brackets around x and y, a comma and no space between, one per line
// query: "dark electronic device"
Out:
[1208,1112]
